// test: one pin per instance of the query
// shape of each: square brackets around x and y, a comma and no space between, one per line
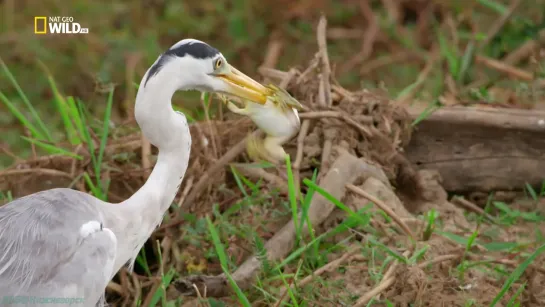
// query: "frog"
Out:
[278,118]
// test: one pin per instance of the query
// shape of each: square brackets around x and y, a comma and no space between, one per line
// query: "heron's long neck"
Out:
[169,131]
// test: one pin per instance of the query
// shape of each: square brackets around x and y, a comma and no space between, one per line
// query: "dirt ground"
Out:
[417,248]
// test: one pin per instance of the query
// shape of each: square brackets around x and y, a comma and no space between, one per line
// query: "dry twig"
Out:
[325,85]
[384,208]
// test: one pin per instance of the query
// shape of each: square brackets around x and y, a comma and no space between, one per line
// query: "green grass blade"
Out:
[74,115]
[220,250]
[104,138]
[293,200]
[94,189]
[512,302]
[238,181]
[388,250]
[21,117]
[428,111]
[495,6]
[335,201]
[62,107]
[466,62]
[452,59]
[160,294]
[37,118]
[515,275]
[52,149]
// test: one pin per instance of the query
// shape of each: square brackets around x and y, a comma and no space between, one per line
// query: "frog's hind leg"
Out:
[233,108]
[273,146]
[268,149]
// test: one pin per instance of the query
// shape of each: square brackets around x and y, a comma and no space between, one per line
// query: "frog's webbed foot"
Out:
[269,149]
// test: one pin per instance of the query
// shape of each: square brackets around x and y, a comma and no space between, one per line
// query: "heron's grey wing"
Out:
[52,245]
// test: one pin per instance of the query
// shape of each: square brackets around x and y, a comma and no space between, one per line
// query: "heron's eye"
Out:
[218,64]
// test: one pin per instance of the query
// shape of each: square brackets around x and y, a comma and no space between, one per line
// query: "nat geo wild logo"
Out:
[58,25]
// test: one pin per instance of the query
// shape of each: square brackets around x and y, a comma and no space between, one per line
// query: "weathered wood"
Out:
[481,149]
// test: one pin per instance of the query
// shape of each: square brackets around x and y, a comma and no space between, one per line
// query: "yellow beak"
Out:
[242,86]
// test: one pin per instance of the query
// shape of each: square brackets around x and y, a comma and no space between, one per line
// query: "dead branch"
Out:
[325,85]
[384,208]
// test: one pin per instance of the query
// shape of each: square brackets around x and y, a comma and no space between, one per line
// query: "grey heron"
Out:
[66,244]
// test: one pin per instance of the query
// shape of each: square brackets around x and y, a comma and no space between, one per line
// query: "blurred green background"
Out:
[125,37]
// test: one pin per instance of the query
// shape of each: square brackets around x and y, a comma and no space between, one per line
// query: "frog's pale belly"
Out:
[273,121]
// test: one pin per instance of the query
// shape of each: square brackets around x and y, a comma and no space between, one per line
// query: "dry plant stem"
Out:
[274,50]
[471,206]
[313,65]
[326,268]
[37,171]
[525,50]
[498,25]
[346,169]
[151,293]
[127,290]
[384,208]
[504,68]
[132,60]
[287,79]
[187,188]
[299,154]
[438,259]
[384,284]
[333,114]
[272,73]
[114,287]
[205,179]
[146,153]
[392,6]
[325,85]
[211,130]
[300,144]
[137,286]
[369,37]
[387,280]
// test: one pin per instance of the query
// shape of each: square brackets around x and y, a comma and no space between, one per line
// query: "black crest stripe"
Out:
[197,50]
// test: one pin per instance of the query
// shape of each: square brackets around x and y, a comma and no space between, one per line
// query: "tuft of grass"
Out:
[42,133]
[516,274]
[220,250]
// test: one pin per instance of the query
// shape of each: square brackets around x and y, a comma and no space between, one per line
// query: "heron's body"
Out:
[46,248]
[65,244]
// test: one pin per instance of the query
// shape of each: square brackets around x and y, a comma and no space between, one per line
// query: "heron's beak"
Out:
[242,86]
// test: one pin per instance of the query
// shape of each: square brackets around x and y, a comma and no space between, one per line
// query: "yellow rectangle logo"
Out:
[38,21]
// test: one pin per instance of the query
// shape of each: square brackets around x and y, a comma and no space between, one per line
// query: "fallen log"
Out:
[480,148]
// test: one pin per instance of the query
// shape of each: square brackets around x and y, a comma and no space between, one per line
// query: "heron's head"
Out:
[191,64]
